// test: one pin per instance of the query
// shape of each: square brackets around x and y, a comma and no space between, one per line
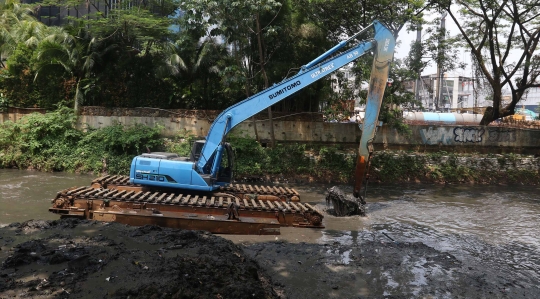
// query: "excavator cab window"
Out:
[225,173]
[196,149]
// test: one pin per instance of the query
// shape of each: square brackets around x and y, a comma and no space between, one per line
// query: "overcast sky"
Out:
[406,38]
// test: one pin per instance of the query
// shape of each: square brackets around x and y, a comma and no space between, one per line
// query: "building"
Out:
[456,92]
[460,93]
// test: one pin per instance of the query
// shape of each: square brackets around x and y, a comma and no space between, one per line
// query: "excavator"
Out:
[197,192]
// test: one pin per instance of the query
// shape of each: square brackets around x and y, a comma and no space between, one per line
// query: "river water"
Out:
[498,226]
[27,195]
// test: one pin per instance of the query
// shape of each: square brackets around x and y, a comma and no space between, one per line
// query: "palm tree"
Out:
[78,54]
[169,62]
[17,25]
[202,68]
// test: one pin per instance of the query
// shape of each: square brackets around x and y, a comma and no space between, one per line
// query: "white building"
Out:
[462,93]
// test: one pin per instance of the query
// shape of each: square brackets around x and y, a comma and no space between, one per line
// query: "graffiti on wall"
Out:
[453,135]
[438,135]
[502,135]
[468,134]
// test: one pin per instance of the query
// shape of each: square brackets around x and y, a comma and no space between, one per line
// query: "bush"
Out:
[50,142]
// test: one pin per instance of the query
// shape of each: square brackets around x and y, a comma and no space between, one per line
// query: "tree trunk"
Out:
[265,77]
[78,98]
[253,117]
[488,117]
[247,87]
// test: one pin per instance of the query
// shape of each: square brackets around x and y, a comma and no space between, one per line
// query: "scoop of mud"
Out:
[344,204]
[86,259]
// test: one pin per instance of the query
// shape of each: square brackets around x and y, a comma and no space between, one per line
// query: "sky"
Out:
[406,38]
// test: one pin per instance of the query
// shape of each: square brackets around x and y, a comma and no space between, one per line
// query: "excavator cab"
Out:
[226,161]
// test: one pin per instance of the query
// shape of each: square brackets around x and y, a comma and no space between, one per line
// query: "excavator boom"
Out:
[383,43]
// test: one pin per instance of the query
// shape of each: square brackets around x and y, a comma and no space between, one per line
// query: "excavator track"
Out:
[261,192]
[232,210]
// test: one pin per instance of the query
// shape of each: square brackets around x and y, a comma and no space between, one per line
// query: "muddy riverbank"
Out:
[83,259]
[418,241]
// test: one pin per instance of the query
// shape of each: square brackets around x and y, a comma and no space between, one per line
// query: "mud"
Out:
[375,265]
[85,259]
[81,259]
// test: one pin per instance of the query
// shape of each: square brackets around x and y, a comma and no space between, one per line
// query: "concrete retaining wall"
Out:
[15,114]
[301,131]
[481,139]
[421,137]
[460,138]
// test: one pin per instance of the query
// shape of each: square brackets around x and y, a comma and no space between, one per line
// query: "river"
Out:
[27,195]
[494,226]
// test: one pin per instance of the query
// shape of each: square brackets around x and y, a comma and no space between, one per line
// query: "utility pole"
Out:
[419,75]
[440,70]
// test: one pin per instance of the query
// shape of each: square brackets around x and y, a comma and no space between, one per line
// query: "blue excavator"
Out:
[197,192]
[210,164]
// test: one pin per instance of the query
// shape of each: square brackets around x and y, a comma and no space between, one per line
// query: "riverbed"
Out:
[431,241]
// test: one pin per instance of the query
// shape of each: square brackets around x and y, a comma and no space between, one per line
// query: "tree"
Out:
[13,17]
[342,18]
[20,37]
[438,47]
[200,80]
[76,54]
[119,56]
[503,36]
[245,25]
[346,17]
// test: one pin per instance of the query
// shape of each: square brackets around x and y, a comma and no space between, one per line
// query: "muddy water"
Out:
[493,230]
[27,195]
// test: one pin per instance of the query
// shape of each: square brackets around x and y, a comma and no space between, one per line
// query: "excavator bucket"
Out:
[343,204]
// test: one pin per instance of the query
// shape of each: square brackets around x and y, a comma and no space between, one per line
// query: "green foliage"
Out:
[334,166]
[250,157]
[450,171]
[225,51]
[448,168]
[392,167]
[288,159]
[50,142]
[346,17]
[180,144]
[119,139]
[291,160]
[4,103]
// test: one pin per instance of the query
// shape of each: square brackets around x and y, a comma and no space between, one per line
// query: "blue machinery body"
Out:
[211,162]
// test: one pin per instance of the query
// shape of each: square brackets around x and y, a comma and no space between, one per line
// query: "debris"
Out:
[388,237]
[344,205]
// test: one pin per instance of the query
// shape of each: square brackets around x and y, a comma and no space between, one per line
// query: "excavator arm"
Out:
[377,84]
[383,45]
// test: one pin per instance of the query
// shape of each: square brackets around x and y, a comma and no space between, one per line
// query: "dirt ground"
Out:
[84,259]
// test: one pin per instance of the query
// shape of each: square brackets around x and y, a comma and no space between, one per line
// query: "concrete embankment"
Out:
[310,128]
